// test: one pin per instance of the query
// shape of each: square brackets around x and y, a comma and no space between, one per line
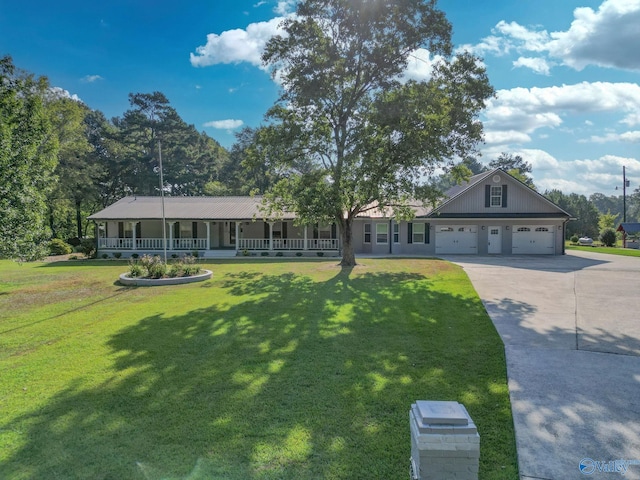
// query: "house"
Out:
[493,213]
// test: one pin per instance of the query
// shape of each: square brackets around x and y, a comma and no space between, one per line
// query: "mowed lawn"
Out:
[292,369]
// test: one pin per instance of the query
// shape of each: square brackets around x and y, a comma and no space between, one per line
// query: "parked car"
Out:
[585,241]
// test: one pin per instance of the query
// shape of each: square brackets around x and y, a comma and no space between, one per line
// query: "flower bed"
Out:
[127,280]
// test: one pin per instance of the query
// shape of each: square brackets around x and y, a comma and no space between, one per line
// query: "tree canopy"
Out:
[349,132]
[28,151]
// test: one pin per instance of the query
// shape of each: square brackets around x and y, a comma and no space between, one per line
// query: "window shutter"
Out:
[315,231]
[176,230]
[138,229]
[334,230]
[120,229]
[487,196]
[284,230]
[504,196]
[426,233]
[409,232]
[194,229]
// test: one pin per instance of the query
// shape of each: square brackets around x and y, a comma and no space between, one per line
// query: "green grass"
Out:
[270,370]
[627,252]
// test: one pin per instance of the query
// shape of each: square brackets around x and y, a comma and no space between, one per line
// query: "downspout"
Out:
[390,236]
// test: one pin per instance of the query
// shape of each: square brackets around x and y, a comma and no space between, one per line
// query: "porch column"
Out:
[101,234]
[306,246]
[270,235]
[171,224]
[133,235]
[208,224]
[237,235]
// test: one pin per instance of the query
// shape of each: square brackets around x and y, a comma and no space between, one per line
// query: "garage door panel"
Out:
[533,240]
[457,239]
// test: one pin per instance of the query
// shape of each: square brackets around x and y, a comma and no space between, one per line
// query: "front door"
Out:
[495,240]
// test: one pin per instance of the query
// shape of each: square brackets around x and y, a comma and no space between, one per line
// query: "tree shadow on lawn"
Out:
[300,380]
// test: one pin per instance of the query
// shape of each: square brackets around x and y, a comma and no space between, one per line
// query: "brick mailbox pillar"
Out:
[444,442]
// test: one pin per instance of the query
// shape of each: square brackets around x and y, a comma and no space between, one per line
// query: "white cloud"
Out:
[285,7]
[607,37]
[58,92]
[236,46]
[420,65]
[538,65]
[505,137]
[91,78]
[630,137]
[224,124]
[525,110]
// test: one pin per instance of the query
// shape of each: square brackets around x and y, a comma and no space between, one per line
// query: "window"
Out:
[446,229]
[524,229]
[382,233]
[418,233]
[496,196]
[396,233]
[367,233]
[542,229]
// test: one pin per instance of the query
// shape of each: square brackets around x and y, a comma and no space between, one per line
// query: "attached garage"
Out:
[456,239]
[533,240]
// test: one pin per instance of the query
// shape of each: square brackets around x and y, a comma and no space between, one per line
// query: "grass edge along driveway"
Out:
[270,370]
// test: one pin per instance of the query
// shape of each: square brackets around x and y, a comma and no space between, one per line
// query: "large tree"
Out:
[349,131]
[28,150]
[516,166]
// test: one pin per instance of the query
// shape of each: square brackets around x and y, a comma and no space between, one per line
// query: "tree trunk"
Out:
[348,257]
[79,218]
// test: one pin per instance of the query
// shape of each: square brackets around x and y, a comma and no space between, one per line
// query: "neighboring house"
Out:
[493,213]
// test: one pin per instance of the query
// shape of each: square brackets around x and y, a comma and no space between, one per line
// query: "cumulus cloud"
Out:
[526,110]
[607,37]
[90,78]
[228,124]
[420,65]
[236,46]
[58,92]
[538,65]
[630,137]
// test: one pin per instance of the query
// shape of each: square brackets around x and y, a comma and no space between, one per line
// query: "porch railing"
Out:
[153,243]
[289,244]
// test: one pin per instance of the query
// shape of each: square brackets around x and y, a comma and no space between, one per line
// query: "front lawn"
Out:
[270,370]
[626,252]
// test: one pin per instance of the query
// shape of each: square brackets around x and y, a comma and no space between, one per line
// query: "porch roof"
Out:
[184,208]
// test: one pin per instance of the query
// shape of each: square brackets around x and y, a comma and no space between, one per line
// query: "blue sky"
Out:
[566,72]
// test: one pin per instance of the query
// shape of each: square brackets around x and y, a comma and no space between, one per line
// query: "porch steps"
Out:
[219,253]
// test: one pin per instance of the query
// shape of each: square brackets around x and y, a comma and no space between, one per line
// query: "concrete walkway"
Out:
[571,329]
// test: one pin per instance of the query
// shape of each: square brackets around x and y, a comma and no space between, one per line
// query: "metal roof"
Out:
[185,208]
[629,227]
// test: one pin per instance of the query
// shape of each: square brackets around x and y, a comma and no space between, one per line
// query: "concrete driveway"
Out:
[571,329]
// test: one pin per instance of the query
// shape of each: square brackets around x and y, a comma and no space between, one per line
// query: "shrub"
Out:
[105,255]
[88,247]
[176,270]
[298,254]
[155,267]
[574,239]
[135,269]
[265,254]
[135,255]
[59,247]
[320,254]
[74,241]
[117,254]
[174,255]
[608,237]
[245,253]
[279,254]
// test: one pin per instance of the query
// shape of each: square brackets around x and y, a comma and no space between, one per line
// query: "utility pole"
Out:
[164,223]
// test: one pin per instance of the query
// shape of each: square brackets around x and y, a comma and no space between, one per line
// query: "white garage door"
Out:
[533,240]
[457,239]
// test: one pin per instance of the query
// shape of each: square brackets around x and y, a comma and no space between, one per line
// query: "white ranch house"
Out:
[492,214]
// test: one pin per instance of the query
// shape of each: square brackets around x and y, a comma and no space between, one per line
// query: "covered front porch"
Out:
[213,238]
